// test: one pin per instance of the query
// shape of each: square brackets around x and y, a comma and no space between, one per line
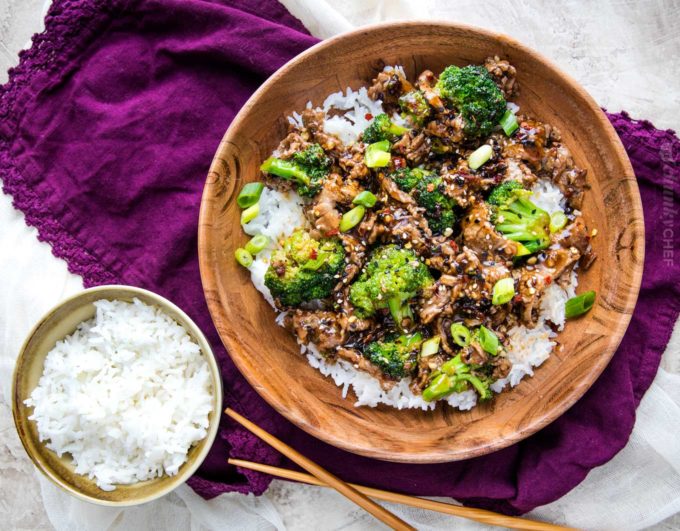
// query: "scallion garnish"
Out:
[257,243]
[243,257]
[488,340]
[366,199]
[352,218]
[378,154]
[430,347]
[509,122]
[558,220]
[480,156]
[579,305]
[250,213]
[503,291]
[460,334]
[249,195]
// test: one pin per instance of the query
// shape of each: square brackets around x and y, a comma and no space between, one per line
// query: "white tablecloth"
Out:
[624,54]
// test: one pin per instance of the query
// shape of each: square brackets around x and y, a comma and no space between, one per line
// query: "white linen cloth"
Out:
[614,50]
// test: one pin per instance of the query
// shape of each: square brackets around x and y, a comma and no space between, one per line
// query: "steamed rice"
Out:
[126,395]
[528,347]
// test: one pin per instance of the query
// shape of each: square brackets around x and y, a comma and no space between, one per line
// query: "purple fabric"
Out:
[107,128]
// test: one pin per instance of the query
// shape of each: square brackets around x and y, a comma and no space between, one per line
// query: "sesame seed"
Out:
[593,233]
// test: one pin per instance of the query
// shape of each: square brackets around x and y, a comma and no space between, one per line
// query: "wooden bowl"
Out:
[61,321]
[268,356]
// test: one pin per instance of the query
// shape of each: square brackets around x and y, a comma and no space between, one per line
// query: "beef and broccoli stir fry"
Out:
[424,245]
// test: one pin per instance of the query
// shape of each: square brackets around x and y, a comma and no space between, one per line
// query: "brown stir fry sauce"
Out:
[447,223]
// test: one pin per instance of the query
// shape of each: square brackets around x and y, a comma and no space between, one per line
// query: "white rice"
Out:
[529,347]
[280,214]
[126,395]
[547,196]
[358,112]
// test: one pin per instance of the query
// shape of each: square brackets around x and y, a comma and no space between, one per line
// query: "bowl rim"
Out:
[186,472]
[211,285]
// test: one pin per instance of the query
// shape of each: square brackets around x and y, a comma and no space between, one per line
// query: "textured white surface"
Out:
[626,54]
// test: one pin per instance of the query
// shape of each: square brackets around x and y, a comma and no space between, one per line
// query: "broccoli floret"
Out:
[504,193]
[519,219]
[414,106]
[396,357]
[304,269]
[382,128]
[439,208]
[391,277]
[307,169]
[407,178]
[472,91]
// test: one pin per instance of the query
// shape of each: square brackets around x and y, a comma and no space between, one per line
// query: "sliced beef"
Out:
[504,74]
[479,234]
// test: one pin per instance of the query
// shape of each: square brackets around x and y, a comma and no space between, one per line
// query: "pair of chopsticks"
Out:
[359,494]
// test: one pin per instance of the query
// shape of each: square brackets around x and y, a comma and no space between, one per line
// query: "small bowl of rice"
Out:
[117,395]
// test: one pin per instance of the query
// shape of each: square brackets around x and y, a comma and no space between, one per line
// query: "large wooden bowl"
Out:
[268,356]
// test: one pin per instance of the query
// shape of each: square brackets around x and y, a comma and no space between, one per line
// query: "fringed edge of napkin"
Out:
[69,27]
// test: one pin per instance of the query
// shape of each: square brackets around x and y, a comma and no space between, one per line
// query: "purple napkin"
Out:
[107,128]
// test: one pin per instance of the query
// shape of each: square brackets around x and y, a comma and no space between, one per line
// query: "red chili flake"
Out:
[313,254]
[548,280]
[517,298]
[368,116]
[332,232]
[399,162]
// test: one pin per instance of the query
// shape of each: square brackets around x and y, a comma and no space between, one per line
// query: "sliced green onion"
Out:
[503,291]
[480,156]
[250,194]
[257,243]
[366,199]
[558,220]
[488,340]
[411,340]
[509,122]
[243,257]
[579,305]
[250,213]
[378,154]
[441,386]
[352,218]
[460,334]
[430,347]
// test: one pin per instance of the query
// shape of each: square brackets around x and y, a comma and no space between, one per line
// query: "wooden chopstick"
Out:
[479,515]
[323,475]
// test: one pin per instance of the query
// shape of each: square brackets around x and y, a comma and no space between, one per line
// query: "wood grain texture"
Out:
[268,356]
